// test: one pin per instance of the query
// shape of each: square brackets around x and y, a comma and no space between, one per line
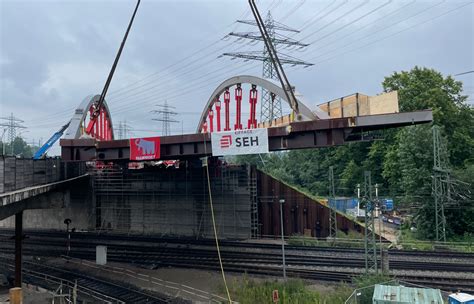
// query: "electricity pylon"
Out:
[270,104]
[440,185]
[370,245]
[13,124]
[123,129]
[447,191]
[164,115]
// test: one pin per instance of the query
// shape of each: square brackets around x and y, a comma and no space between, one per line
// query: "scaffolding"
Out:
[252,186]
[174,201]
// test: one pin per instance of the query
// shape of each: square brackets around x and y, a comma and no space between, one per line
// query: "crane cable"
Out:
[214,219]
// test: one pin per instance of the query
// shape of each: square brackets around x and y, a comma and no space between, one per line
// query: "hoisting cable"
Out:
[214,219]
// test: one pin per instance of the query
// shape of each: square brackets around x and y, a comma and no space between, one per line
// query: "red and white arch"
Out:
[228,97]
[82,126]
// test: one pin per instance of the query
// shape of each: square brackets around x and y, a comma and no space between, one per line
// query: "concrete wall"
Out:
[154,200]
[78,210]
[173,201]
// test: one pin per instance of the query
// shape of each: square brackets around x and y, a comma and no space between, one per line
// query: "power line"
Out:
[464,73]
[178,62]
[352,10]
[383,17]
[391,35]
[353,21]
[316,17]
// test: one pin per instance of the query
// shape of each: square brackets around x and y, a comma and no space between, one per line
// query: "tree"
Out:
[402,163]
[20,148]
[423,88]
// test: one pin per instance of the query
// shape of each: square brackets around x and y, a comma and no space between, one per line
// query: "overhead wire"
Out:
[324,16]
[335,56]
[352,22]
[156,88]
[349,12]
[69,110]
[383,17]
[391,35]
[293,10]
[183,91]
[181,61]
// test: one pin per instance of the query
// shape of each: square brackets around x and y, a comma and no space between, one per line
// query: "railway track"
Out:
[87,286]
[158,256]
[101,237]
[312,263]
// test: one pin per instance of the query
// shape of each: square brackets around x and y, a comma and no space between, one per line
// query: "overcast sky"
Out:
[55,53]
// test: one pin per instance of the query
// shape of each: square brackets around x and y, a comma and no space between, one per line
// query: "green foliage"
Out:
[366,285]
[423,88]
[351,239]
[20,148]
[402,163]
[293,291]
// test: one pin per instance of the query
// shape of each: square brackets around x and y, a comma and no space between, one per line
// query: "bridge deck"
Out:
[29,192]
[296,135]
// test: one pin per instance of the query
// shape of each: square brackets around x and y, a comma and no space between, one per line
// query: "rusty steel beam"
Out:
[297,135]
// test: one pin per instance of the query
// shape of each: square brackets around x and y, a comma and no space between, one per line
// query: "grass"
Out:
[352,239]
[295,291]
[409,241]
[248,291]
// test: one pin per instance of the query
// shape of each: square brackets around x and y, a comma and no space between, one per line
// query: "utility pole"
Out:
[332,209]
[165,114]
[282,201]
[270,104]
[12,124]
[440,186]
[370,244]
[383,254]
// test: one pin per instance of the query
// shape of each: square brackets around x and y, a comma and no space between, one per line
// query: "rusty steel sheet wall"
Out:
[300,211]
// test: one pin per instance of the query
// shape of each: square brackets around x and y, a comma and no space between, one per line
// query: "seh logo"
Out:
[247,141]
[226,141]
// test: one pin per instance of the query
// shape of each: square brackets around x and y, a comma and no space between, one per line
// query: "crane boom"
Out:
[42,151]
[99,103]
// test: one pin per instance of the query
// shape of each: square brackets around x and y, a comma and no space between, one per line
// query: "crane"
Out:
[42,151]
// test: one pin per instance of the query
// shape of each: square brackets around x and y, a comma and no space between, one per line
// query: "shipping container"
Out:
[387,204]
[343,203]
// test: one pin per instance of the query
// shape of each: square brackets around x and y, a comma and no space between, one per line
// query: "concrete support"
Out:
[48,200]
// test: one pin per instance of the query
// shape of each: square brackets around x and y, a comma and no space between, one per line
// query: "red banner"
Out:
[146,148]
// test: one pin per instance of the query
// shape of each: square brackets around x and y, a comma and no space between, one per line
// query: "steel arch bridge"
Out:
[103,128]
[305,127]
[223,92]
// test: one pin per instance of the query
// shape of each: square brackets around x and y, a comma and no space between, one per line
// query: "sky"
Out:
[55,53]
